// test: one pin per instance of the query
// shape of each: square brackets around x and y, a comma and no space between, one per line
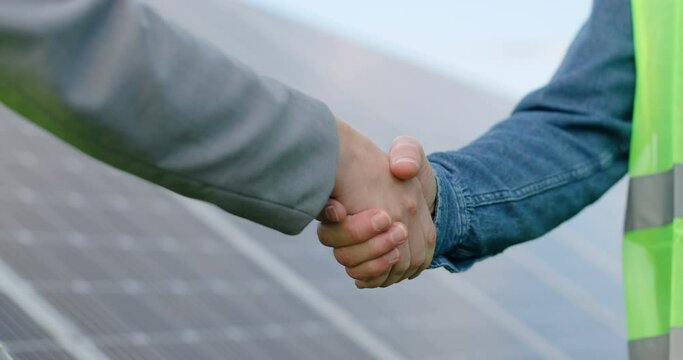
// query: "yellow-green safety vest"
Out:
[653,241]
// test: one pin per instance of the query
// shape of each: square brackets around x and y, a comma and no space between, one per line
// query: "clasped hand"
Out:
[378,219]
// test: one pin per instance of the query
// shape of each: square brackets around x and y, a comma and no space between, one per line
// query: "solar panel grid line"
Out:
[38,355]
[56,267]
[419,332]
[299,287]
[99,319]
[425,322]
[134,353]
[121,241]
[568,289]
[89,318]
[134,264]
[17,326]
[206,312]
[92,315]
[192,336]
[63,270]
[30,199]
[170,287]
[155,308]
[21,346]
[72,200]
[230,334]
[62,329]
[10,325]
[490,308]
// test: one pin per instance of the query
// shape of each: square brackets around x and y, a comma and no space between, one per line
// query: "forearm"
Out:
[495,201]
[121,84]
[561,149]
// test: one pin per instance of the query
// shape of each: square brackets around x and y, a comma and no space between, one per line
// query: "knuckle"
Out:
[400,268]
[377,268]
[355,233]
[411,206]
[403,267]
[381,246]
[415,263]
[367,274]
[376,281]
[355,274]
[342,257]
[368,284]
[392,279]
[375,272]
[323,235]
[387,283]
[373,285]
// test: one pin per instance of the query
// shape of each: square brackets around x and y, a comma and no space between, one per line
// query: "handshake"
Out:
[379,217]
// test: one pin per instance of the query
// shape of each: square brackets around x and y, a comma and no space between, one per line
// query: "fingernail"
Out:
[398,234]
[380,221]
[405,159]
[392,256]
[331,213]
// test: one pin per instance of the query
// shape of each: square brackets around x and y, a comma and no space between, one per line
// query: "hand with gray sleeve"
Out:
[123,85]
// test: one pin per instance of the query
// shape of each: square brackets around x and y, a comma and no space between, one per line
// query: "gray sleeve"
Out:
[121,84]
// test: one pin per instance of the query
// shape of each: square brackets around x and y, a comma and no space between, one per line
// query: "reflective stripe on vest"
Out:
[653,243]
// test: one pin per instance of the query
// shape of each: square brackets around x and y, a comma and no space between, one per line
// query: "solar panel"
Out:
[27,339]
[140,275]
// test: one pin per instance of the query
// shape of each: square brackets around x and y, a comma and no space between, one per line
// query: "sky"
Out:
[508,47]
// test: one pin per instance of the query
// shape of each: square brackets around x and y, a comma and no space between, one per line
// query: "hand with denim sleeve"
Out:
[366,243]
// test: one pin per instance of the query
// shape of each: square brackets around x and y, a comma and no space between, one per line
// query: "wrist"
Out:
[345,150]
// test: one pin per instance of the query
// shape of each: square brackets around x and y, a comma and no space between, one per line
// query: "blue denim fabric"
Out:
[563,147]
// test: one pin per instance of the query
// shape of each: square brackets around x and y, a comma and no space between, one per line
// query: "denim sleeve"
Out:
[563,147]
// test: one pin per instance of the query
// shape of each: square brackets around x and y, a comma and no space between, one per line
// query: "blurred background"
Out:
[95,264]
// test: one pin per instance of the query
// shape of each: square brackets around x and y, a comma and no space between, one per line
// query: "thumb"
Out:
[333,212]
[406,157]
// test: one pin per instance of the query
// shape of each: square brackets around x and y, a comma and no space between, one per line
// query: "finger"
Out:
[333,212]
[355,229]
[416,275]
[381,244]
[374,282]
[374,268]
[431,246]
[398,270]
[406,157]
[418,247]
[417,257]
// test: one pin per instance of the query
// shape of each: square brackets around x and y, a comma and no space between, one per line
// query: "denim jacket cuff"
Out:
[450,220]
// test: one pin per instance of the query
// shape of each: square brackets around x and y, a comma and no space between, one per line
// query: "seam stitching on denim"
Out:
[464,205]
[604,161]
